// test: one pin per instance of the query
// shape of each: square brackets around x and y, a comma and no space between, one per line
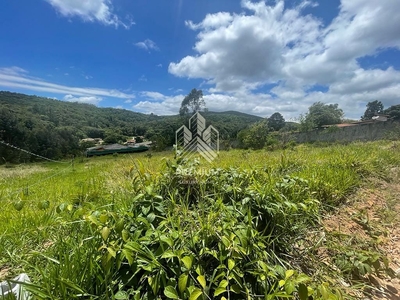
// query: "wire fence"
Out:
[15,192]
[33,154]
[27,187]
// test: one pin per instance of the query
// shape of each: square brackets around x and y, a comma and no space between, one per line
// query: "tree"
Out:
[192,103]
[373,108]
[276,121]
[255,136]
[322,114]
[393,112]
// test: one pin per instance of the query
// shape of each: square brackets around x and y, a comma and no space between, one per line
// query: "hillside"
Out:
[52,128]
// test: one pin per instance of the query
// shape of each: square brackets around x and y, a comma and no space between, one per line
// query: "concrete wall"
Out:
[366,132]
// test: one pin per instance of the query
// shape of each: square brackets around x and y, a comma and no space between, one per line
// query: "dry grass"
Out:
[20,171]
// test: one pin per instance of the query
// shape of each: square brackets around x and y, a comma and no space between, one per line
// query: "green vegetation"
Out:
[276,121]
[192,103]
[321,114]
[53,128]
[373,108]
[246,226]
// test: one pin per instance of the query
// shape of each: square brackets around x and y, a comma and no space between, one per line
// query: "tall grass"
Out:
[146,227]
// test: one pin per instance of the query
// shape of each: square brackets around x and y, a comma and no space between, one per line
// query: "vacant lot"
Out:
[314,221]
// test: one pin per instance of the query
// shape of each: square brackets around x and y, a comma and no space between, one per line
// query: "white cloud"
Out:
[90,11]
[273,45]
[147,45]
[16,77]
[157,103]
[365,81]
[85,99]
[153,95]
[13,71]
[212,21]
[128,101]
[246,51]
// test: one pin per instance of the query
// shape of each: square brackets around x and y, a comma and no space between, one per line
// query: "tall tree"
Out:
[373,108]
[192,103]
[393,112]
[276,121]
[323,114]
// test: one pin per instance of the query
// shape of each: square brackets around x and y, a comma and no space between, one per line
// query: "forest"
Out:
[53,128]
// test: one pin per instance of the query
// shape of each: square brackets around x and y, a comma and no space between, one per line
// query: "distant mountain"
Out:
[53,128]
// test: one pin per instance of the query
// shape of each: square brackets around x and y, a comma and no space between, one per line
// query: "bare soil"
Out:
[372,213]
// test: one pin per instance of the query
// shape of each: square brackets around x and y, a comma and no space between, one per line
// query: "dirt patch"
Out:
[372,215]
[4,272]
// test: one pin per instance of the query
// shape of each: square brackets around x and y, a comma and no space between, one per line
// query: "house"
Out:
[379,117]
[131,141]
[376,118]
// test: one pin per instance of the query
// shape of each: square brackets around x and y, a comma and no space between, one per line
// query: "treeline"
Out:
[268,132]
[53,128]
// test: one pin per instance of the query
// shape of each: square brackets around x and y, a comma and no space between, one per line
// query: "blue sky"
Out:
[256,57]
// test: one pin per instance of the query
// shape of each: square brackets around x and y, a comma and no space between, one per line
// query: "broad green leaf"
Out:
[60,208]
[167,240]
[151,217]
[44,204]
[168,254]
[281,283]
[225,241]
[128,254]
[187,261]
[103,218]
[288,274]
[223,284]
[231,264]
[182,282]
[171,292]
[303,292]
[18,205]
[289,287]
[119,226]
[196,293]
[236,289]
[324,291]
[198,270]
[112,252]
[125,235]
[202,280]
[121,295]
[105,232]
[145,210]
[219,291]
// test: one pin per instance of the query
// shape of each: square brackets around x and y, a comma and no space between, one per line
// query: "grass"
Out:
[128,226]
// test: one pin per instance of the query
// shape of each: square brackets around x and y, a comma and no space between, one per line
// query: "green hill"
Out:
[53,128]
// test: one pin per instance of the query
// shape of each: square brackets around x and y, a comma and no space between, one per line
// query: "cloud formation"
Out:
[90,11]
[18,78]
[157,103]
[289,55]
[147,45]
[85,99]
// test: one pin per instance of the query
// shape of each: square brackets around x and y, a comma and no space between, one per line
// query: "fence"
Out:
[362,132]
